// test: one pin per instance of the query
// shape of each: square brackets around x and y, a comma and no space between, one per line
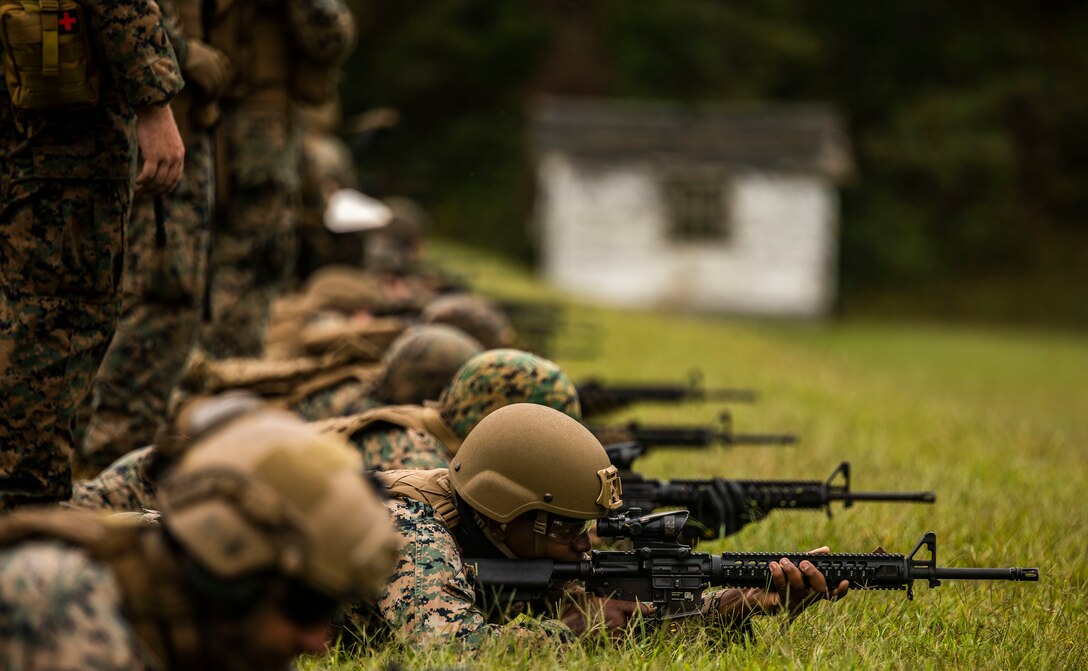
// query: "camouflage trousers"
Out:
[254,242]
[60,273]
[162,306]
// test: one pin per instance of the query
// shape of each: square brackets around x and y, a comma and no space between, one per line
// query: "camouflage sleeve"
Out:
[395,448]
[124,486]
[136,50]
[62,612]
[172,25]
[429,598]
[324,30]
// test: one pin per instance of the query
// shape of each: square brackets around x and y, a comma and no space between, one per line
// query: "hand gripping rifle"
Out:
[685,436]
[598,398]
[668,574]
[721,507]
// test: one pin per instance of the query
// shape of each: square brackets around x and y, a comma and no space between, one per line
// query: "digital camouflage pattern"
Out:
[62,610]
[474,315]
[349,397]
[125,485]
[162,290]
[66,184]
[259,191]
[162,303]
[501,377]
[421,362]
[389,447]
[430,600]
[253,247]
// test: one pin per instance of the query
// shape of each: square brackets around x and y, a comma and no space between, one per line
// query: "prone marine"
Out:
[250,559]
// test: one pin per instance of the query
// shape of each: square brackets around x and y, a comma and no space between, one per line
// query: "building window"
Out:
[696,206]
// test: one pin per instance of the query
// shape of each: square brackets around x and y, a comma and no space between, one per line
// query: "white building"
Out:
[728,209]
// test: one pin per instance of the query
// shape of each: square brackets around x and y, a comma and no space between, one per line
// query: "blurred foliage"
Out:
[967,119]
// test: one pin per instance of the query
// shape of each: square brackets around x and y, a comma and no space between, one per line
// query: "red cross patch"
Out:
[68,23]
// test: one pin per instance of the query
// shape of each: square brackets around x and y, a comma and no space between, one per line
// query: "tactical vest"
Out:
[417,417]
[154,603]
[49,60]
[268,69]
[431,487]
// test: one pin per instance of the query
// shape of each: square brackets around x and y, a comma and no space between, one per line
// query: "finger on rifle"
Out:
[841,590]
[822,550]
[778,578]
[794,575]
[816,580]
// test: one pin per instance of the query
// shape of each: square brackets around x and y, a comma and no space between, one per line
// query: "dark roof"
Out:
[785,137]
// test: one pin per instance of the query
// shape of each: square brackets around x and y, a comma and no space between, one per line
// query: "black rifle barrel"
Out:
[684,436]
[888,497]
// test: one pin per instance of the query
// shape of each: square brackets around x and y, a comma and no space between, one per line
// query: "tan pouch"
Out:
[49,62]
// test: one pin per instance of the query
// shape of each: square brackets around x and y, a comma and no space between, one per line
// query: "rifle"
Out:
[722,507]
[598,398]
[672,577]
[686,436]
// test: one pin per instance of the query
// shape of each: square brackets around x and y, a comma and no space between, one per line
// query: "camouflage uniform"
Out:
[65,191]
[162,290]
[259,144]
[397,437]
[349,397]
[430,600]
[72,604]
[126,485]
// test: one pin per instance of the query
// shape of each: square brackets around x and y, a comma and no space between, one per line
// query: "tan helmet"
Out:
[531,457]
[476,316]
[266,494]
[421,362]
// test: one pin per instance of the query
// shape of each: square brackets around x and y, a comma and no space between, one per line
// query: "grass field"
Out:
[995,422]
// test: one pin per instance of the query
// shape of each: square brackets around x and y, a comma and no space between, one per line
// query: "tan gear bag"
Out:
[49,62]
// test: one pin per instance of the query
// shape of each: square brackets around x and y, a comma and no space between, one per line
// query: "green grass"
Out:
[995,421]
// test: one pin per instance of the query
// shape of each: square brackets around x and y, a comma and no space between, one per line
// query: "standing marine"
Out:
[68,170]
[162,290]
[282,52]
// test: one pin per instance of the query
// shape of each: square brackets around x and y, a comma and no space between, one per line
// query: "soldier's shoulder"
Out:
[63,610]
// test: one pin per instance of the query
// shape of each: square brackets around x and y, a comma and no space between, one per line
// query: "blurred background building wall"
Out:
[727,209]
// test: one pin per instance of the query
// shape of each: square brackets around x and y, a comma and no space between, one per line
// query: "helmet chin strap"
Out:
[540,530]
[486,529]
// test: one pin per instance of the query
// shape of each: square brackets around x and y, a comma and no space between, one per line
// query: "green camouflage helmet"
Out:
[476,316]
[501,377]
[420,363]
